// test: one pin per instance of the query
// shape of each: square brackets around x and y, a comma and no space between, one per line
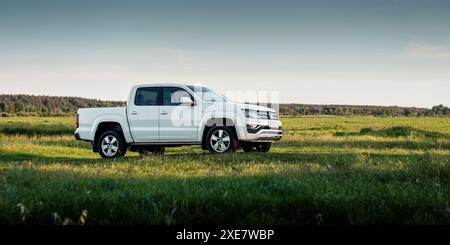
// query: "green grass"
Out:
[335,170]
[37,125]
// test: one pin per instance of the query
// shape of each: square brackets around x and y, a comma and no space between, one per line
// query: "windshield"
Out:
[208,95]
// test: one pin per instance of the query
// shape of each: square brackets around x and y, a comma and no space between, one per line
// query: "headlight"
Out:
[250,113]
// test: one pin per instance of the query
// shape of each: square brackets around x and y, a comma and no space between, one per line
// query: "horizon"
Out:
[281,103]
[381,53]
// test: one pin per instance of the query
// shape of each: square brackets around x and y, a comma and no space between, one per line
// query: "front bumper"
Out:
[268,135]
[265,131]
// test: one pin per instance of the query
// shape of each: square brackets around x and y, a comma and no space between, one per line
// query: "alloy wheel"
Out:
[220,140]
[110,145]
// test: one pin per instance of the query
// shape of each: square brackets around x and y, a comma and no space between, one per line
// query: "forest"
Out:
[31,105]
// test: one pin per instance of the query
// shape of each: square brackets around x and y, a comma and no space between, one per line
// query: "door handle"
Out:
[164,113]
[133,113]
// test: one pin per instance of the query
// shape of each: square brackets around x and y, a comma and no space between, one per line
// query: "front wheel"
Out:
[111,145]
[221,139]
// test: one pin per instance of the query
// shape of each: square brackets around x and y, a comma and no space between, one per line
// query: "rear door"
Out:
[143,114]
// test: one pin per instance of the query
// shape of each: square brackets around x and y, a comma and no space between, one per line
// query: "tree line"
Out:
[31,105]
[363,110]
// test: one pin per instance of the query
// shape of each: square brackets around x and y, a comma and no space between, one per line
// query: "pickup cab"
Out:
[171,114]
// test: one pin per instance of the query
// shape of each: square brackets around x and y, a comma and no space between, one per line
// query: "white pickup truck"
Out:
[170,114]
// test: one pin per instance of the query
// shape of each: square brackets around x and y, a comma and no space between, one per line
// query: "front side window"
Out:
[172,95]
[208,95]
[148,96]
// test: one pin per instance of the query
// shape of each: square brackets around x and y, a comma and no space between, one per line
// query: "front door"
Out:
[178,122]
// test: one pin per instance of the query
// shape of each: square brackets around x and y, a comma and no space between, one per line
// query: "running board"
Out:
[168,143]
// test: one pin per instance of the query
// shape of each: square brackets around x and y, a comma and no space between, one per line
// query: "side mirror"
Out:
[186,101]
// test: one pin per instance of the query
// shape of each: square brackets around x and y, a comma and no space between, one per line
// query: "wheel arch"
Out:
[103,127]
[219,121]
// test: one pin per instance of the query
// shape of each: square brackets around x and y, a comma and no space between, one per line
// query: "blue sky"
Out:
[323,52]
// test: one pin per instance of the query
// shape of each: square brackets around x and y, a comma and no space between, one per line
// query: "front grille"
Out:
[263,115]
[273,115]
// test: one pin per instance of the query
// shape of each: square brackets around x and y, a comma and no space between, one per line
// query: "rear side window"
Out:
[148,96]
[172,95]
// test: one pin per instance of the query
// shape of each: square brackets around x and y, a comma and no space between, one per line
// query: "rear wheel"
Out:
[152,151]
[111,145]
[221,139]
[263,147]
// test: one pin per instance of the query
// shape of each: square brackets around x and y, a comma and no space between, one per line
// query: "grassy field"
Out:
[327,170]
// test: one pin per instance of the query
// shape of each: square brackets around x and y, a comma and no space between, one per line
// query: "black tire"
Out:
[117,145]
[247,147]
[222,146]
[151,151]
[263,147]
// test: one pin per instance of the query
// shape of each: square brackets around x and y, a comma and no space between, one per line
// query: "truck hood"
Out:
[254,107]
[241,106]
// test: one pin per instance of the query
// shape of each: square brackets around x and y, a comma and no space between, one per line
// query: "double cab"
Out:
[172,114]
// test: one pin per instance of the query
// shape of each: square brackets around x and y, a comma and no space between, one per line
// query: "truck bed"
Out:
[90,117]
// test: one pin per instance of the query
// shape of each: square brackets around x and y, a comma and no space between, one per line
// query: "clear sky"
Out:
[323,52]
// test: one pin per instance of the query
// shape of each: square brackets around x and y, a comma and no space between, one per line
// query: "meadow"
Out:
[325,170]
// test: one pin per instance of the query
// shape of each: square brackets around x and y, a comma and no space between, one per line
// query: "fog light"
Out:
[253,128]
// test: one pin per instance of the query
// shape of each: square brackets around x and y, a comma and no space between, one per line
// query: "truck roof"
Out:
[160,84]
